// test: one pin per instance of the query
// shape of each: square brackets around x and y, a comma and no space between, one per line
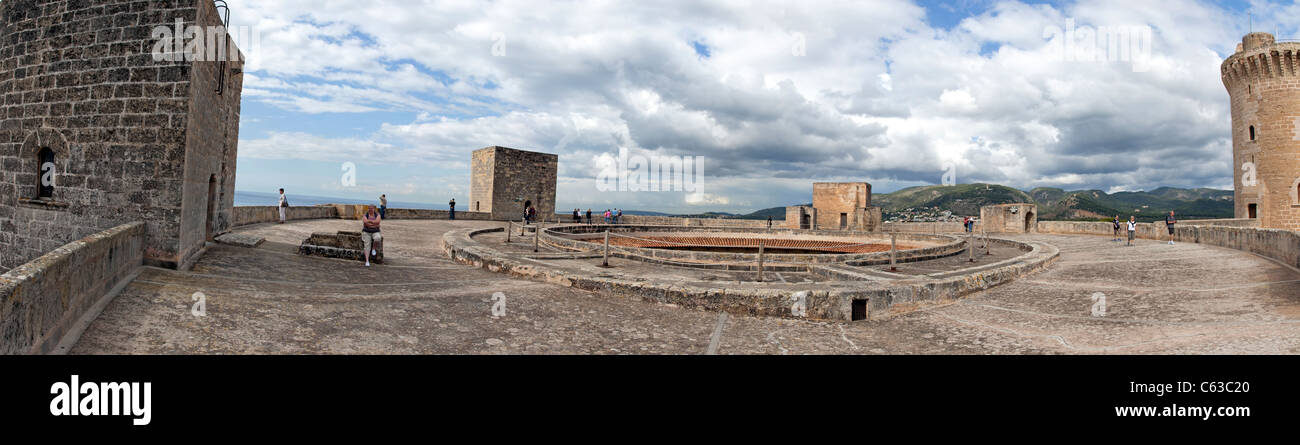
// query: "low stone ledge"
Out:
[240,240]
[343,245]
[42,300]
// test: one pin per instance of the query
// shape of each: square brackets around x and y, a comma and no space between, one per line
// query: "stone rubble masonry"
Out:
[134,139]
[42,300]
[343,245]
[504,180]
[1263,81]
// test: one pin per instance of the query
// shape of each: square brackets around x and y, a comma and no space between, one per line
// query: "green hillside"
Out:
[1053,203]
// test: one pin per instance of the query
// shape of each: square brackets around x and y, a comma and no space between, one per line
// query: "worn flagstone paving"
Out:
[1160,299]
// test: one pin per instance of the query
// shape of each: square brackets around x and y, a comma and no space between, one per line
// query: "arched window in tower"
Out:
[45,173]
[1252,132]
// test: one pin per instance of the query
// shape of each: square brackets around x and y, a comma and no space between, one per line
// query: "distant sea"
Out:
[270,199]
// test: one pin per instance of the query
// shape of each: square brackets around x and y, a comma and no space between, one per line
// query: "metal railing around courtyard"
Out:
[759,265]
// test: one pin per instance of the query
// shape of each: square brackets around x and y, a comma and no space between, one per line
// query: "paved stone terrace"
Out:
[1162,299]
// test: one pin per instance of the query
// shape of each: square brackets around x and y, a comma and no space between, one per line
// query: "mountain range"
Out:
[1053,203]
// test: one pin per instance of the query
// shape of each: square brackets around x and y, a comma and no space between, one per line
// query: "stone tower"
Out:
[1263,80]
[98,130]
[506,181]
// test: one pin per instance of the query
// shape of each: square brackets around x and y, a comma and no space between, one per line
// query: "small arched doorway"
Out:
[1029,221]
[212,208]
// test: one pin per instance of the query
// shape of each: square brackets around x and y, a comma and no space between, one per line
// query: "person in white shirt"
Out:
[1132,229]
[284,206]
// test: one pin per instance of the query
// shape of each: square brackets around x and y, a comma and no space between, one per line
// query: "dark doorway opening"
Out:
[805,221]
[1029,221]
[844,220]
[212,207]
[859,310]
[1251,209]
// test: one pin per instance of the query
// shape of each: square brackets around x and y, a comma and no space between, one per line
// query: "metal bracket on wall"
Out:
[223,10]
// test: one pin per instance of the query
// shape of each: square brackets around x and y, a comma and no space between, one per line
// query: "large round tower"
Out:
[1263,80]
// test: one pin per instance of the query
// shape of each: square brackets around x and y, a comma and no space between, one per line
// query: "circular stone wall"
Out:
[740,245]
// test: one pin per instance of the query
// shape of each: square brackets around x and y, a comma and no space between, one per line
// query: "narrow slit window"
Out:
[45,174]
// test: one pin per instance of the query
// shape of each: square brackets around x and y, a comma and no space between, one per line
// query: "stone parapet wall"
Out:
[246,215]
[1278,244]
[694,222]
[927,227]
[42,300]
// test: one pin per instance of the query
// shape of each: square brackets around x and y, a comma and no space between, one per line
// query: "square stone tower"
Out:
[842,205]
[97,131]
[506,181]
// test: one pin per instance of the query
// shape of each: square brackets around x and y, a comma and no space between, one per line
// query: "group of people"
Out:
[1132,227]
[610,216]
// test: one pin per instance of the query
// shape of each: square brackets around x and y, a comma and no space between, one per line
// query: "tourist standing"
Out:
[284,206]
[1116,228]
[576,217]
[588,216]
[370,233]
[769,223]
[1169,223]
[452,205]
[383,206]
[618,215]
[1132,229]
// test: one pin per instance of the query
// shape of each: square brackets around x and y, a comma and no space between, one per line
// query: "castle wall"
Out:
[517,177]
[1264,86]
[78,77]
[211,140]
[42,301]
[482,169]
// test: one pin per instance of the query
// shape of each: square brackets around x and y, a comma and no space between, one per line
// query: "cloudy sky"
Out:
[767,96]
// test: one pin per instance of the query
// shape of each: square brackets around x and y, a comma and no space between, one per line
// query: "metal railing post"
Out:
[760,261]
[605,263]
[893,251]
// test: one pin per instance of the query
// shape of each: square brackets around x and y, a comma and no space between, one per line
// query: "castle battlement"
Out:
[1260,57]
